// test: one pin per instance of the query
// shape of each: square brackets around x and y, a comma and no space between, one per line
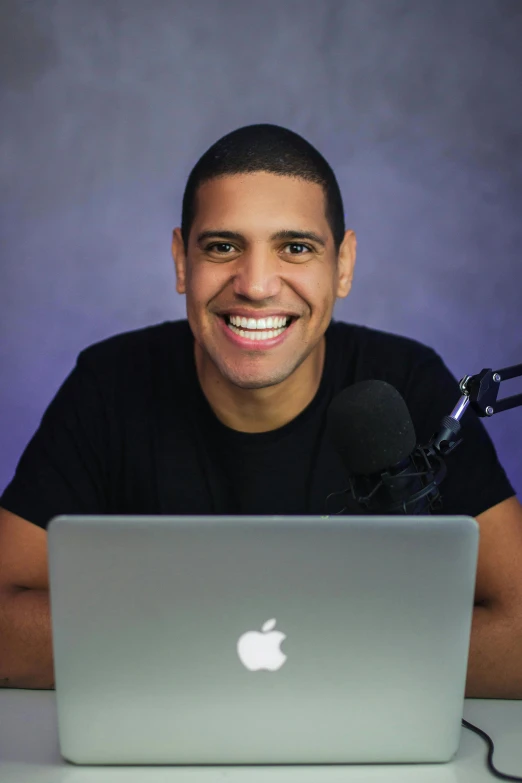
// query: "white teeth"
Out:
[259,324]
[253,335]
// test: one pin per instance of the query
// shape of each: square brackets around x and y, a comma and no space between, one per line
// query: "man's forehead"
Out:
[265,200]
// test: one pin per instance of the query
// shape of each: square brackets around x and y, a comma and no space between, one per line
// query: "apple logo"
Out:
[262,650]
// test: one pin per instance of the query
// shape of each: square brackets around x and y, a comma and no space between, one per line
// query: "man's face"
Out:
[255,274]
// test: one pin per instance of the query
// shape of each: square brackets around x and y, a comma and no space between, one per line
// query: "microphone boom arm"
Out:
[480,391]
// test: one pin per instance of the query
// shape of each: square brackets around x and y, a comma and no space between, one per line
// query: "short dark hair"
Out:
[270,148]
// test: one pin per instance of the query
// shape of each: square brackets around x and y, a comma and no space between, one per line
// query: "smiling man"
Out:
[260,296]
[224,412]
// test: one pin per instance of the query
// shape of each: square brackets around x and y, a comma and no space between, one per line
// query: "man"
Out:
[225,413]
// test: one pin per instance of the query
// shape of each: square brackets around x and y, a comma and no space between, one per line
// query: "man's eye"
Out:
[298,244]
[218,244]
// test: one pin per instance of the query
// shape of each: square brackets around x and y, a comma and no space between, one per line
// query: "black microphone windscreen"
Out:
[371,427]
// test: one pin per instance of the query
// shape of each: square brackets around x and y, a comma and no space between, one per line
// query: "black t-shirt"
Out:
[131,432]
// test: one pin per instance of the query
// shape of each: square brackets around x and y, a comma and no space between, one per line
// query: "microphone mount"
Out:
[479,391]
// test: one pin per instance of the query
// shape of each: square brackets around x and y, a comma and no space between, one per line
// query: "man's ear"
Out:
[346,264]
[180,261]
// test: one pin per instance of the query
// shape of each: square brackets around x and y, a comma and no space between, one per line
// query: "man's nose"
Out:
[257,275]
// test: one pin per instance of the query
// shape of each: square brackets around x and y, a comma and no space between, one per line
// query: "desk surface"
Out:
[29,753]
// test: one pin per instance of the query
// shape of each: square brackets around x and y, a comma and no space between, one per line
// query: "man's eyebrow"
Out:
[284,234]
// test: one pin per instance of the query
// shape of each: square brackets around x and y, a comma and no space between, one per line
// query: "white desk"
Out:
[29,753]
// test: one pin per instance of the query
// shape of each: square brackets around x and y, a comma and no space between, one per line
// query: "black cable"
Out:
[489,741]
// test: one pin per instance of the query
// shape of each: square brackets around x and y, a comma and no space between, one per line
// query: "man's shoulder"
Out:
[366,339]
[146,341]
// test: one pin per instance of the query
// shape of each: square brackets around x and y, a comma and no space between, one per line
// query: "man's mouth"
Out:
[258,328]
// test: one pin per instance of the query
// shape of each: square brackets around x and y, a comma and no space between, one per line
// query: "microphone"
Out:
[371,428]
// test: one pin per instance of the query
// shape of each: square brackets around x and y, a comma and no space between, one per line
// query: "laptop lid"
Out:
[250,640]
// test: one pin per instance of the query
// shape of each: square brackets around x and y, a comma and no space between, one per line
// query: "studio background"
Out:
[106,105]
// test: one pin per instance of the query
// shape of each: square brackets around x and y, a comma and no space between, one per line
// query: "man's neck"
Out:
[260,410]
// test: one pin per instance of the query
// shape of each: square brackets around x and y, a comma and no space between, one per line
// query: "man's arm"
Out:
[26,659]
[64,469]
[495,655]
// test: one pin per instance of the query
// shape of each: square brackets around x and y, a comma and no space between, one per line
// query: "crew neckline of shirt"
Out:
[255,439]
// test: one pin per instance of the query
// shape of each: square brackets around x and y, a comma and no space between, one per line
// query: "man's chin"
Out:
[254,382]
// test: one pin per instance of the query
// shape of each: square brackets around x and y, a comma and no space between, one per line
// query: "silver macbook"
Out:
[261,640]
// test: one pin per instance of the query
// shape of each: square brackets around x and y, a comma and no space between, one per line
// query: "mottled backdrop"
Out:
[107,104]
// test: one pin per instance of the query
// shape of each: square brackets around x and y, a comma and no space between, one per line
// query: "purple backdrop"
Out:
[107,105]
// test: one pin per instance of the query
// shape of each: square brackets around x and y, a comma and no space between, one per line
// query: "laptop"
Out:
[261,640]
